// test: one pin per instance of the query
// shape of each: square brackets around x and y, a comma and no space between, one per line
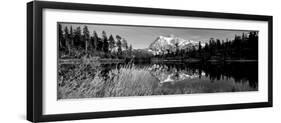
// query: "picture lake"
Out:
[107,60]
[95,80]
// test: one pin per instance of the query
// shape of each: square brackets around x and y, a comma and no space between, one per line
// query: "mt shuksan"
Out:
[162,44]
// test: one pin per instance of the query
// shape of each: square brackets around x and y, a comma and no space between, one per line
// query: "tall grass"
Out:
[125,81]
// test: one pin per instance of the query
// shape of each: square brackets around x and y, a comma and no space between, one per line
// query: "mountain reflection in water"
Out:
[165,73]
[140,79]
[238,72]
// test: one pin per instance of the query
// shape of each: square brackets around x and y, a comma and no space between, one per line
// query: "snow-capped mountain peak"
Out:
[171,43]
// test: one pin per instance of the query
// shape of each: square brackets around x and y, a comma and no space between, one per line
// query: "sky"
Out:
[141,37]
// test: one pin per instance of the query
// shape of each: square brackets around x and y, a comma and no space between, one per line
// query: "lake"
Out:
[155,78]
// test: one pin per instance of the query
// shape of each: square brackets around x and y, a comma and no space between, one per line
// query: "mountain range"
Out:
[171,43]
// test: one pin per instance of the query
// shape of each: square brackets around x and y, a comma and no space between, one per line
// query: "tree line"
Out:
[243,46]
[76,43]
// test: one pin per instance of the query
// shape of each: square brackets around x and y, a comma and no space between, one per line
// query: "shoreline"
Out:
[104,60]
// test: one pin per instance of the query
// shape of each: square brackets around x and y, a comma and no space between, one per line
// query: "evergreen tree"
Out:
[200,49]
[105,42]
[86,37]
[119,45]
[130,50]
[67,39]
[212,47]
[100,44]
[177,48]
[95,41]
[61,37]
[111,43]
[77,37]
[218,44]
[71,36]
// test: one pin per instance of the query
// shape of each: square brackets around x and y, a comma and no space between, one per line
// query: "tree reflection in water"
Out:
[139,79]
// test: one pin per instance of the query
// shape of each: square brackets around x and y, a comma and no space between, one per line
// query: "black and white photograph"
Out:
[94,60]
[106,60]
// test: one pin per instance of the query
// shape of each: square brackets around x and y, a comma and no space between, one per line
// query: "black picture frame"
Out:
[35,69]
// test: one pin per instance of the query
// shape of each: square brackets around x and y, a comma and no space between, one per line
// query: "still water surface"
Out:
[140,79]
